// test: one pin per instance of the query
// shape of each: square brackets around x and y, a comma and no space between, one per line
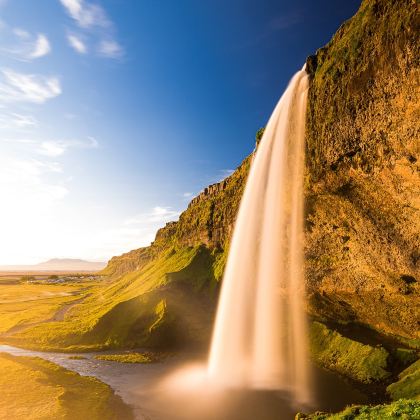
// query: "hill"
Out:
[58,264]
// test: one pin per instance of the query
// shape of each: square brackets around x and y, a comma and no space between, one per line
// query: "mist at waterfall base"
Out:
[258,365]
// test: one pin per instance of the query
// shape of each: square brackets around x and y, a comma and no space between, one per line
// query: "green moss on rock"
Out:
[408,385]
[403,409]
[143,358]
[358,361]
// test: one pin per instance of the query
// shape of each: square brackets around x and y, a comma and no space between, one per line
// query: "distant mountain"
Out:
[58,264]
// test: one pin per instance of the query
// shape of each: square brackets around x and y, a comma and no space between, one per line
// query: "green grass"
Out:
[405,356]
[402,409]
[408,385]
[128,358]
[23,304]
[33,388]
[143,307]
[358,361]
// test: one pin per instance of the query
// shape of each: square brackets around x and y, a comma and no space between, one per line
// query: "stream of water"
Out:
[148,389]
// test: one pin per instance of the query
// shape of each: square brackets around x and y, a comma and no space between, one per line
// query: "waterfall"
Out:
[260,334]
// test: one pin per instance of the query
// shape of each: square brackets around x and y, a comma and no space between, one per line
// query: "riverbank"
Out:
[35,388]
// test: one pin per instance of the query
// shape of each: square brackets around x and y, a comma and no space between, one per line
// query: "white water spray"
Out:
[260,334]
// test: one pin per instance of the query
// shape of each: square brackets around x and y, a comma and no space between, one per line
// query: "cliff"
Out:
[363,194]
[362,209]
[363,186]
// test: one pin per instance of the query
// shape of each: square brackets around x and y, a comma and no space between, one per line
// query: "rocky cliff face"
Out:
[363,194]
[362,182]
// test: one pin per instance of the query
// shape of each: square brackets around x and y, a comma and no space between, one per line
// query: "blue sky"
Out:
[114,113]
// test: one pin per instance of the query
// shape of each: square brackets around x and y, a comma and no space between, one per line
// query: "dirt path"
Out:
[58,316]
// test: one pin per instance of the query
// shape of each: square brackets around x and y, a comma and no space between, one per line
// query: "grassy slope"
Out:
[357,361]
[402,409]
[408,385]
[32,388]
[140,308]
[367,364]
[23,304]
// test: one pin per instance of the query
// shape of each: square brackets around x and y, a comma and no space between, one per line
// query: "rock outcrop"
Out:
[363,195]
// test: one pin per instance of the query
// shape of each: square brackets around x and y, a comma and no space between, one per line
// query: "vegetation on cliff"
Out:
[402,409]
[408,385]
[357,361]
[163,303]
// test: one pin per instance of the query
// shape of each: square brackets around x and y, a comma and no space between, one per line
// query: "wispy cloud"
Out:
[53,148]
[285,21]
[24,46]
[110,49]
[21,180]
[187,194]
[158,215]
[87,15]
[20,87]
[136,231]
[92,19]
[42,47]
[77,44]
[21,33]
[17,121]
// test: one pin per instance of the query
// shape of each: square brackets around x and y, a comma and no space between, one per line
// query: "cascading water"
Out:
[260,337]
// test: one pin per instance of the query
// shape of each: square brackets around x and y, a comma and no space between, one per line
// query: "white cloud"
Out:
[21,33]
[54,148]
[87,15]
[77,44]
[92,19]
[110,49]
[136,231]
[24,46]
[42,47]
[17,121]
[158,215]
[20,87]
[22,181]
[187,194]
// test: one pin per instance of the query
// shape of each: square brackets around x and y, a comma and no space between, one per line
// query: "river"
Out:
[152,396]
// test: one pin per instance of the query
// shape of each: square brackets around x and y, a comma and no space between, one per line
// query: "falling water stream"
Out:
[260,335]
